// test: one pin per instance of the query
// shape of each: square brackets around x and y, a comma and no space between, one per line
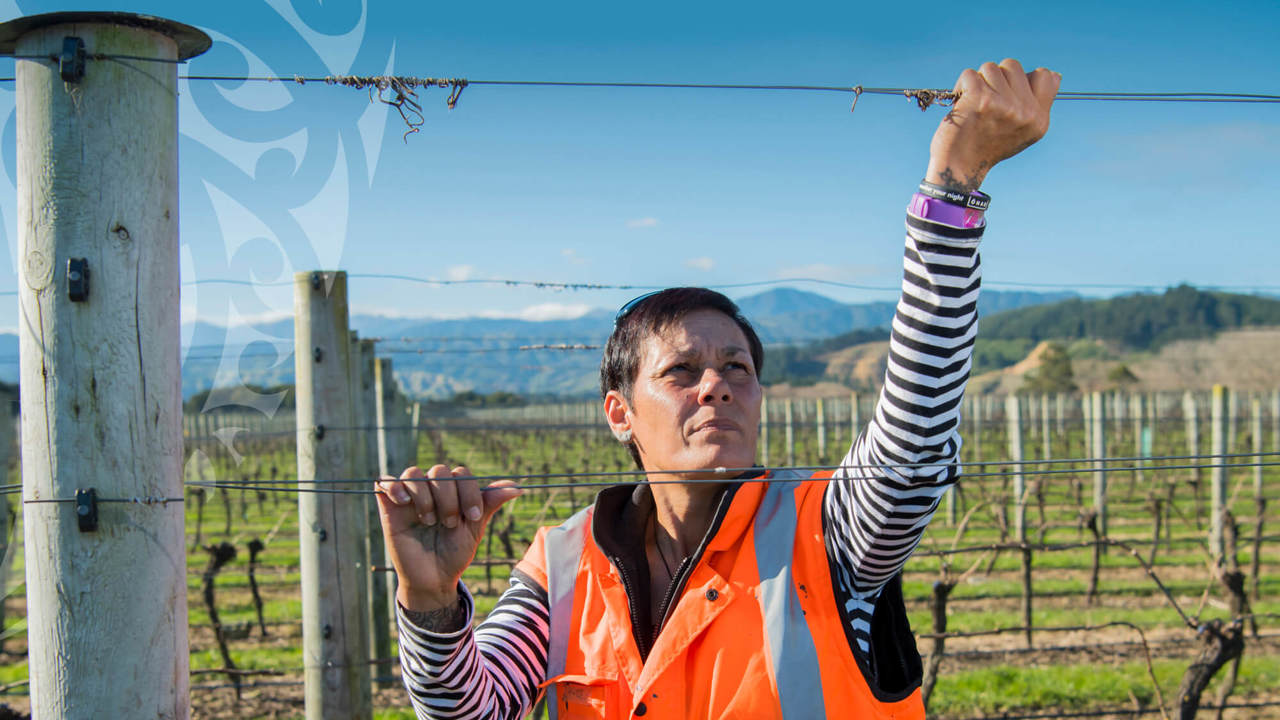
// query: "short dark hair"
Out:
[652,314]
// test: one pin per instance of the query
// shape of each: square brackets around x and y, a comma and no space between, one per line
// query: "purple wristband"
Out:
[940,211]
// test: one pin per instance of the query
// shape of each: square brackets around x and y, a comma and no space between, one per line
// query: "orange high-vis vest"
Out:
[756,632]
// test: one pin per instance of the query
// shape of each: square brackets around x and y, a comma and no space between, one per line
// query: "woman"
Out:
[708,592]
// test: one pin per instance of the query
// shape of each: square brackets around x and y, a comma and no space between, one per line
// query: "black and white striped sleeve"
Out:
[903,463]
[490,673]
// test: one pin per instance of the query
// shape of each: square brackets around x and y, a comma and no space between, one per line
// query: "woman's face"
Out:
[695,403]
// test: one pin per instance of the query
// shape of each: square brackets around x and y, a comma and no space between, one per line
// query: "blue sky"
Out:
[664,187]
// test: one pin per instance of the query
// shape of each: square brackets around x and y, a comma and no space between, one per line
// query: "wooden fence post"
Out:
[1255,430]
[379,620]
[1259,501]
[1086,415]
[414,416]
[821,420]
[1013,416]
[1191,416]
[389,460]
[1275,421]
[363,526]
[98,254]
[7,432]
[1098,419]
[384,399]
[1233,413]
[764,430]
[1218,475]
[1045,435]
[975,414]
[1137,411]
[1119,411]
[1060,411]
[855,418]
[331,527]
[791,434]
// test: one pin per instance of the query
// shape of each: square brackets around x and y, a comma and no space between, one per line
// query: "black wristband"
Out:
[976,200]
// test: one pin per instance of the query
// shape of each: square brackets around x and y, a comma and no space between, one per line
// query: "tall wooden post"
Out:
[97,182]
[821,419]
[1086,414]
[1191,416]
[975,404]
[1098,419]
[1233,413]
[1256,431]
[1013,416]
[331,527]
[1275,420]
[1013,421]
[1218,475]
[379,619]
[389,461]
[415,415]
[791,433]
[6,455]
[855,418]
[363,472]
[1118,411]
[1045,434]
[1138,412]
[1060,411]
[764,430]
[384,398]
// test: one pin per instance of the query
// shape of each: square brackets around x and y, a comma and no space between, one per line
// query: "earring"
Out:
[624,436]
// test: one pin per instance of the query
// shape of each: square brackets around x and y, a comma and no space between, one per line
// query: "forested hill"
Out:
[1140,322]
[1133,322]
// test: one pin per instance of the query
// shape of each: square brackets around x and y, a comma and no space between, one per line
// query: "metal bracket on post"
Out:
[71,61]
[77,279]
[87,509]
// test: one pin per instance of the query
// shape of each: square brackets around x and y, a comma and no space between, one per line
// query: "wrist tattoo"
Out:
[442,621]
[949,179]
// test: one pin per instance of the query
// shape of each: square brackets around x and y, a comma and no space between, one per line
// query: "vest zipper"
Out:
[643,641]
[673,591]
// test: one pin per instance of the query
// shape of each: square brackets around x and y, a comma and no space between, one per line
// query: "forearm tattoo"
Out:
[442,621]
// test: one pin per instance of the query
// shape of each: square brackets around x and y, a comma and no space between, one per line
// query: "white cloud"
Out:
[460,272]
[543,311]
[700,263]
[644,222]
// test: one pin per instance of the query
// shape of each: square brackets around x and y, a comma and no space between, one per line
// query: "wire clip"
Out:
[71,61]
[87,509]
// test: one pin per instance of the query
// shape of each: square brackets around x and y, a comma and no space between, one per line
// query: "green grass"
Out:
[1006,688]
[1161,616]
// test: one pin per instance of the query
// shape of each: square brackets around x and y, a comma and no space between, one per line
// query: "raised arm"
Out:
[905,460]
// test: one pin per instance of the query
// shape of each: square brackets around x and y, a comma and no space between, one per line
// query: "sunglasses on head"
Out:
[631,306]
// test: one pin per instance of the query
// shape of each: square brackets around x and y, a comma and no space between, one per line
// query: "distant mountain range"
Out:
[436,358]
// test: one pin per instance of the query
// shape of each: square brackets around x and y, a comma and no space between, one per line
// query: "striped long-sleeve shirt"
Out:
[875,511]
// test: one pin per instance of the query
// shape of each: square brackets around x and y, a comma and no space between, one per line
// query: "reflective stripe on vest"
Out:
[563,546]
[791,649]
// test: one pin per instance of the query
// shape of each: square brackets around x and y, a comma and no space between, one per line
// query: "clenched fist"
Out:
[1001,111]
